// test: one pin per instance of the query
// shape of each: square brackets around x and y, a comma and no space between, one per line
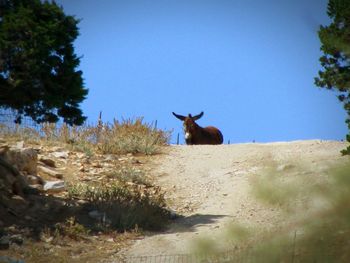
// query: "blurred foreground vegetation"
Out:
[318,232]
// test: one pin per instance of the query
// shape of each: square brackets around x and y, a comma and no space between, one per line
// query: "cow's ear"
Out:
[180,117]
[198,116]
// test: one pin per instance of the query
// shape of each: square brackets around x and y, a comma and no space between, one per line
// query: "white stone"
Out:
[63,155]
[54,186]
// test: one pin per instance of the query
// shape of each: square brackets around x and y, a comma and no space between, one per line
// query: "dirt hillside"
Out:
[210,186]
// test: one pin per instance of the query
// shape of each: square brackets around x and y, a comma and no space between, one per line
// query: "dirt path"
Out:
[210,187]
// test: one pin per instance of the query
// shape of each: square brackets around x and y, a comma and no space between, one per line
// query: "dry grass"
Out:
[131,136]
[126,198]
[124,206]
[129,174]
[120,137]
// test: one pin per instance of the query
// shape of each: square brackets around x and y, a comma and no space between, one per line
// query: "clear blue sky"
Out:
[249,65]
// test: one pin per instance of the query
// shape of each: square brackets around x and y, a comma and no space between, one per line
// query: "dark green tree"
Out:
[335,44]
[38,67]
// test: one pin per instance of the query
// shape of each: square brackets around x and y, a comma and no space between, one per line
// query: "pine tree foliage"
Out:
[335,45]
[38,66]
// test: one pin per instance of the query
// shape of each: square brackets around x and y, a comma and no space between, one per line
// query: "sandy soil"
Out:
[210,186]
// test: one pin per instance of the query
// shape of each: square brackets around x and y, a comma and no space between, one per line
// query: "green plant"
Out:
[38,68]
[335,60]
[84,147]
[72,229]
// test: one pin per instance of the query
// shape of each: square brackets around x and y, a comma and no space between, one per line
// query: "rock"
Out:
[17,239]
[20,145]
[12,229]
[94,172]
[95,214]
[81,155]
[4,148]
[110,157]
[57,149]
[46,239]
[63,155]
[19,199]
[29,190]
[86,179]
[85,161]
[10,178]
[50,172]
[82,202]
[100,216]
[96,165]
[4,242]
[22,159]
[173,214]
[54,186]
[18,203]
[34,179]
[34,189]
[136,161]
[47,161]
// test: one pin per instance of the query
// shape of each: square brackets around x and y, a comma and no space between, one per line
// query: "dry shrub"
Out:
[124,205]
[18,132]
[121,137]
[129,174]
[70,228]
[131,136]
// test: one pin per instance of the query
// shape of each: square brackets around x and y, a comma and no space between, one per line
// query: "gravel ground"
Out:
[210,186]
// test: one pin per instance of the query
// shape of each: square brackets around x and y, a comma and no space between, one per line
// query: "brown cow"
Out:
[195,134]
